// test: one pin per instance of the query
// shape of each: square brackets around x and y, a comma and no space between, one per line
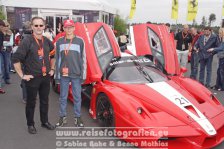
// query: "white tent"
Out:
[98,5]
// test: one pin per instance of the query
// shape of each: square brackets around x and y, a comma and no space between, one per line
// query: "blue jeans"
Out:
[194,65]
[220,74]
[76,92]
[1,66]
[208,64]
[6,64]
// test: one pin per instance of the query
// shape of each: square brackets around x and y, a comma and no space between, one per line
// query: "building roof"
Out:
[98,5]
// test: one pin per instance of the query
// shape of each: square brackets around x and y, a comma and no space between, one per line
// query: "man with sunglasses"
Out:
[70,68]
[33,53]
[183,40]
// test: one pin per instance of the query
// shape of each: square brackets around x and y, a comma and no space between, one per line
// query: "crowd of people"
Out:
[201,46]
[6,45]
[28,52]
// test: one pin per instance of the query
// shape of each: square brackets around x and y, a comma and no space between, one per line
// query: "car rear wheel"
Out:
[105,112]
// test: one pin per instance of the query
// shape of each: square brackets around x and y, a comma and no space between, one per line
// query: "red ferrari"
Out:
[147,91]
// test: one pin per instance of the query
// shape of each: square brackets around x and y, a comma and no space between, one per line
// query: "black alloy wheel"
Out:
[105,112]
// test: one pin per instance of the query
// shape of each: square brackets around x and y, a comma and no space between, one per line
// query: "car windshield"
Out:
[128,72]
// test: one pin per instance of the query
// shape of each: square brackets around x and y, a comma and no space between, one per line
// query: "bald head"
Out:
[193,31]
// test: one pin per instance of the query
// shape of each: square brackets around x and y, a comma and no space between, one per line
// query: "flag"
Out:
[174,14]
[192,9]
[223,8]
[133,7]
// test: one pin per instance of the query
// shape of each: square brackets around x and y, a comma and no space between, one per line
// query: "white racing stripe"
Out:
[184,104]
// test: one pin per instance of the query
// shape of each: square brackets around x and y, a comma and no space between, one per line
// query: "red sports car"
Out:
[147,92]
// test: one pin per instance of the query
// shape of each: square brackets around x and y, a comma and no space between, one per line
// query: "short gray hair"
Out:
[27,25]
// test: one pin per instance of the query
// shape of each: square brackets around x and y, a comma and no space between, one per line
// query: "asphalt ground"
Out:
[13,129]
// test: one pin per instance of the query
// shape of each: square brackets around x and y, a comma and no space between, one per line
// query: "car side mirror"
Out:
[182,71]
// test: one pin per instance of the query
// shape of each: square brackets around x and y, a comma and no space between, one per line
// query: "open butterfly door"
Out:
[100,46]
[155,40]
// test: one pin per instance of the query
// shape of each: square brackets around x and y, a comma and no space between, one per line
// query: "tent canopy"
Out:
[98,5]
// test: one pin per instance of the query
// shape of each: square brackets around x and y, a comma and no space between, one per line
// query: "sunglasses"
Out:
[38,25]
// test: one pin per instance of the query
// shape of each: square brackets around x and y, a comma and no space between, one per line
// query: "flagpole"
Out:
[222,14]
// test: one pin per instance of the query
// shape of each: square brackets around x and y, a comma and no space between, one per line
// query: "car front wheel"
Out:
[105,112]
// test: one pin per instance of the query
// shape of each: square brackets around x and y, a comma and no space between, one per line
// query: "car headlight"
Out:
[139,110]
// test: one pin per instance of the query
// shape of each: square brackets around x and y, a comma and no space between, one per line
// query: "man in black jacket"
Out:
[33,53]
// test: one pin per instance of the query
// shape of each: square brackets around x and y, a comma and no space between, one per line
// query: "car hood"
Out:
[171,99]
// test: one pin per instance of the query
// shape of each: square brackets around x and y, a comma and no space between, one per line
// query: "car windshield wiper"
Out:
[143,72]
[110,69]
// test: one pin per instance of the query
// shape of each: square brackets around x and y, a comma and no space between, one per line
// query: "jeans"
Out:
[194,65]
[6,64]
[42,85]
[1,66]
[220,75]
[208,64]
[182,57]
[76,92]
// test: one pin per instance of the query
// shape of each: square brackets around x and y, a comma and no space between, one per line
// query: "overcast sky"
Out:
[160,10]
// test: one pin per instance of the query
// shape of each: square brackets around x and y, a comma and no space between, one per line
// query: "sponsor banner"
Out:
[133,8]
[223,8]
[175,5]
[192,9]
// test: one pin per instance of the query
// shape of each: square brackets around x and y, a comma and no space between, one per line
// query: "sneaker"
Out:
[214,87]
[32,130]
[24,100]
[62,121]
[2,91]
[220,89]
[78,122]
[13,71]
[7,82]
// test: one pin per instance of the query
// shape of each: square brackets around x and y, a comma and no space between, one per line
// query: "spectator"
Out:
[2,25]
[33,53]
[171,33]
[49,33]
[194,54]
[183,40]
[205,42]
[59,28]
[122,41]
[6,52]
[70,67]
[26,32]
[220,71]
[17,37]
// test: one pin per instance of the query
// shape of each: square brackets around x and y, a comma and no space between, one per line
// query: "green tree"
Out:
[2,15]
[212,18]
[119,25]
[204,21]
[194,23]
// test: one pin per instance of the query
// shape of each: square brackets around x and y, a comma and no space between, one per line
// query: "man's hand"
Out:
[210,50]
[196,49]
[51,72]
[27,77]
